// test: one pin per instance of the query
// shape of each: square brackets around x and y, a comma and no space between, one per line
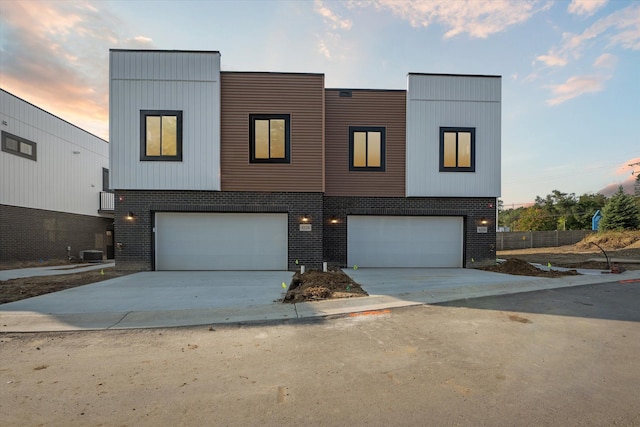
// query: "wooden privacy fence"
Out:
[539,239]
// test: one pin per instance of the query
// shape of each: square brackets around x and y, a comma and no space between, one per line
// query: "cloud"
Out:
[324,50]
[55,55]
[477,19]
[606,60]
[626,25]
[585,7]
[330,45]
[620,28]
[139,42]
[330,17]
[574,87]
[629,166]
[628,185]
[552,60]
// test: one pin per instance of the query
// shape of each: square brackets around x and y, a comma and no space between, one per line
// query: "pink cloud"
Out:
[575,86]
[629,166]
[618,29]
[330,17]
[606,60]
[552,60]
[628,185]
[585,7]
[478,19]
[55,55]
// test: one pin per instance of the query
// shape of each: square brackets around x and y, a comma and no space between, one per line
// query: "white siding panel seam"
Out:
[455,100]
[166,80]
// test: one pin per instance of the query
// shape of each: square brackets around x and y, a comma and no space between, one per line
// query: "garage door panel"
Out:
[221,241]
[396,241]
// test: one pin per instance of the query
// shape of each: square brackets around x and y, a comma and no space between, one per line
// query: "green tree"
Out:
[560,206]
[508,217]
[620,213]
[558,211]
[585,208]
[535,219]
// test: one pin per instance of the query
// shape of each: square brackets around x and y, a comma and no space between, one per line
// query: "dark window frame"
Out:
[34,146]
[105,180]
[383,148]
[287,137]
[143,135]
[457,130]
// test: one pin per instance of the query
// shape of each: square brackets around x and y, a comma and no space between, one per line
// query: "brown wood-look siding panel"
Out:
[364,108]
[301,96]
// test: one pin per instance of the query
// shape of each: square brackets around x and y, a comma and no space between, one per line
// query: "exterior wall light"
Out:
[484,221]
[130,216]
[305,218]
[333,220]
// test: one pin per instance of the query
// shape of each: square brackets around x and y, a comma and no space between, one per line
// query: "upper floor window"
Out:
[457,149]
[161,135]
[105,179]
[367,148]
[19,146]
[269,138]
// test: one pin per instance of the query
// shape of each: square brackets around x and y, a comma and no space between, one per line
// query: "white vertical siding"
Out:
[435,101]
[58,180]
[161,80]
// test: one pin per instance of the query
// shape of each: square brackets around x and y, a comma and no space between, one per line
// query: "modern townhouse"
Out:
[268,171]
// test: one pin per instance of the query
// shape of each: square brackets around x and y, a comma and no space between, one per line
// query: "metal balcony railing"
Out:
[107,201]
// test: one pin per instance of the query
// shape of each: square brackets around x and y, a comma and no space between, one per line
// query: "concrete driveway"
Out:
[166,299]
[164,290]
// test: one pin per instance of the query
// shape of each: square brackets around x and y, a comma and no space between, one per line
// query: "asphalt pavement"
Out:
[555,357]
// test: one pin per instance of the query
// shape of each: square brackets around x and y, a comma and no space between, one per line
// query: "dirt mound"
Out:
[519,267]
[635,245]
[611,240]
[316,285]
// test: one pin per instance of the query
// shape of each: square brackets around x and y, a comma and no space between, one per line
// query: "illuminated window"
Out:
[366,148]
[161,135]
[269,138]
[19,146]
[457,149]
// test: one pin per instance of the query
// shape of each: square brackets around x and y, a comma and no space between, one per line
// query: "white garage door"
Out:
[221,241]
[397,241]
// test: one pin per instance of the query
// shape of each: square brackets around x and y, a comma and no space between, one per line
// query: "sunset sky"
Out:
[570,70]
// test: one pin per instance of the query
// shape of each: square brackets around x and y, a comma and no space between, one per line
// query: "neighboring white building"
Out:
[53,185]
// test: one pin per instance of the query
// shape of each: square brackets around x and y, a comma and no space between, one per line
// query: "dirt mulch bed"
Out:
[519,267]
[570,257]
[315,285]
[27,287]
